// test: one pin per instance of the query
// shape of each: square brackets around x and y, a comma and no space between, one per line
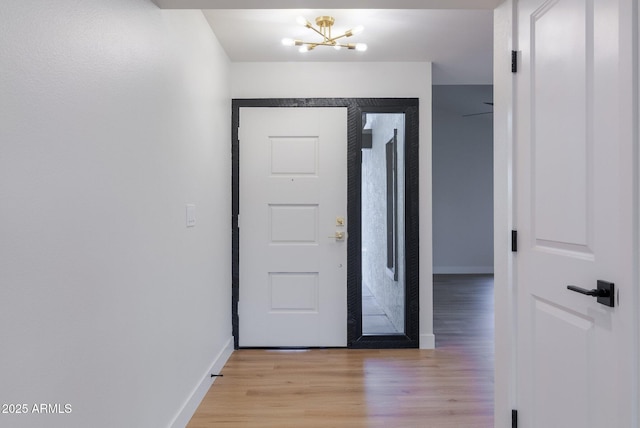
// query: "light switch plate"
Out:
[191,215]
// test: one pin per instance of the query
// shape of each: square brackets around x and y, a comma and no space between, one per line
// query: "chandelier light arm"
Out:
[319,32]
[314,44]
[351,46]
[338,37]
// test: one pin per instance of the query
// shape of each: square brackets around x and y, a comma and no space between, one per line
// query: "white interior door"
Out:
[575,192]
[293,205]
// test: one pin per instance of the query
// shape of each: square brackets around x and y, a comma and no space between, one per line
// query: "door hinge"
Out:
[514,61]
[514,419]
[514,241]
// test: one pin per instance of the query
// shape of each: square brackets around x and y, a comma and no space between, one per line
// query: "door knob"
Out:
[339,236]
[605,292]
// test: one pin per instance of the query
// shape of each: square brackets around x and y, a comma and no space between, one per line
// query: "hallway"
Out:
[451,386]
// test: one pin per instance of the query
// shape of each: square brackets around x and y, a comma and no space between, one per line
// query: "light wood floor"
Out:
[451,386]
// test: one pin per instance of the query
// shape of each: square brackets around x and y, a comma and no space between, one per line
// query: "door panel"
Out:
[293,187]
[562,112]
[574,192]
[560,374]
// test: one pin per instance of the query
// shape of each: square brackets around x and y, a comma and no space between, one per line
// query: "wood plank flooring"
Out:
[463,311]
[451,386]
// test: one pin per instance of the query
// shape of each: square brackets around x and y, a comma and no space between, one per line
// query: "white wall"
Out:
[365,80]
[114,114]
[462,181]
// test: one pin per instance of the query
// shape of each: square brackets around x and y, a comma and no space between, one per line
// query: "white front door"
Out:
[293,205]
[576,358]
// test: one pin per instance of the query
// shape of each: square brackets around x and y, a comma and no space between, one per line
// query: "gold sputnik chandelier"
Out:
[324,24]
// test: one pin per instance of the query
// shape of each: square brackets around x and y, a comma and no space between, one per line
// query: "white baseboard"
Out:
[189,408]
[428,341]
[462,269]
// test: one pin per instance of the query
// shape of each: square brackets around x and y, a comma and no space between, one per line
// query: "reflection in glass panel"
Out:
[383,276]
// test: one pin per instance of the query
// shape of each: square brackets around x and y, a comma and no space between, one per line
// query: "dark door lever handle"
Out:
[595,292]
[605,292]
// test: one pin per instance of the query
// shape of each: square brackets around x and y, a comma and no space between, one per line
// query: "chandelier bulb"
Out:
[303,21]
[337,47]
[357,30]
[361,47]
[303,49]
[288,42]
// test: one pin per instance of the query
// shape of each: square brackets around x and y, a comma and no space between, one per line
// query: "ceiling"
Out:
[455,35]
[459,42]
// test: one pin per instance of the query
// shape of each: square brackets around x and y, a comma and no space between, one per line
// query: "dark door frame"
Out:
[356,107]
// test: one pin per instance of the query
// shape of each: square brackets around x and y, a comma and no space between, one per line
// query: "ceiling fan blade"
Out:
[477,114]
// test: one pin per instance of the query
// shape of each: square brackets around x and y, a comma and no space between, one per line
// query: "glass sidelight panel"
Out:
[383,236]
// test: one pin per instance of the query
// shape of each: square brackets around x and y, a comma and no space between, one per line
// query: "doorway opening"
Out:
[463,246]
